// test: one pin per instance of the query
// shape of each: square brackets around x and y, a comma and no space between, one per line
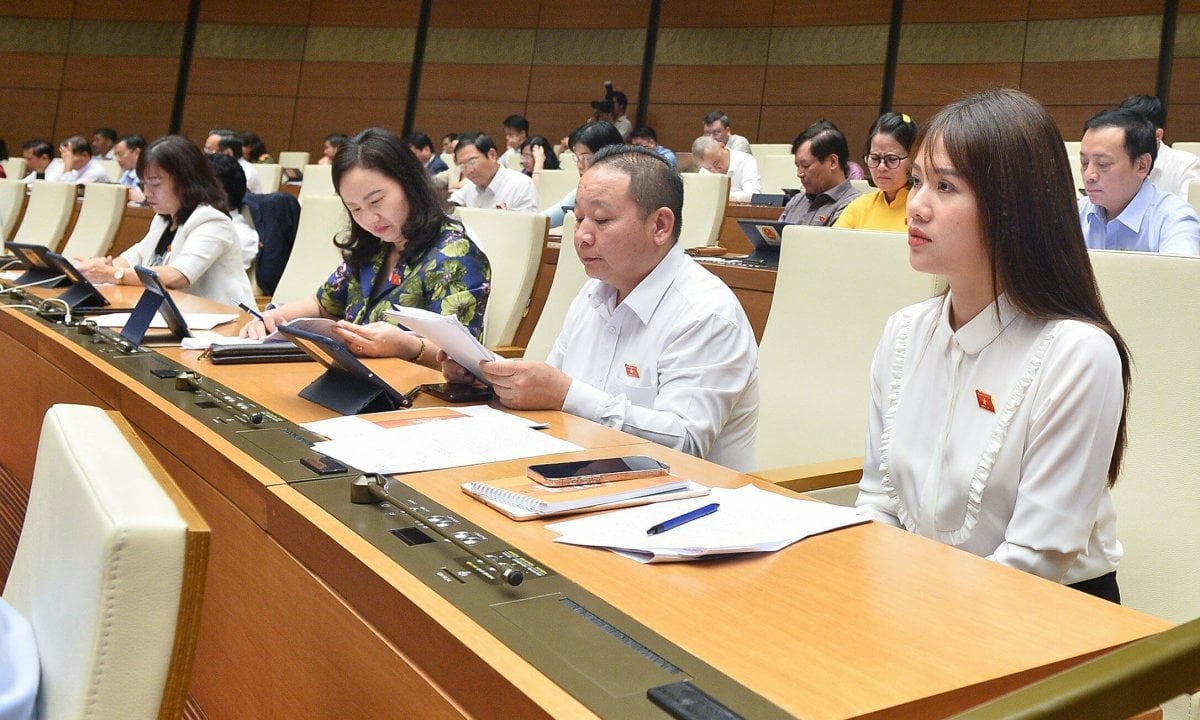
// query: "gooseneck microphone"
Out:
[376,489]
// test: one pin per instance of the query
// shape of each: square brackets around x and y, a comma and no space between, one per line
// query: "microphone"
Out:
[376,490]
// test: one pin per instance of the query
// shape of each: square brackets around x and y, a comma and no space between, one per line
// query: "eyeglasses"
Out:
[469,164]
[890,160]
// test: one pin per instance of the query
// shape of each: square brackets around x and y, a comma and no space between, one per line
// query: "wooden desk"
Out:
[304,619]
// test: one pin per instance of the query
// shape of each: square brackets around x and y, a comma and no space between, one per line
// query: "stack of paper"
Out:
[749,520]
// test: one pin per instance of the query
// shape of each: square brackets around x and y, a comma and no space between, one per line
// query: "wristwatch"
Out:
[118,273]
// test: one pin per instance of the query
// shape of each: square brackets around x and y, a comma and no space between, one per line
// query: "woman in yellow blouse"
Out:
[889,143]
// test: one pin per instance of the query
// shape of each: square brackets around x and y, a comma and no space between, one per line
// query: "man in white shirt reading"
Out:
[716,126]
[742,168]
[79,166]
[489,185]
[653,344]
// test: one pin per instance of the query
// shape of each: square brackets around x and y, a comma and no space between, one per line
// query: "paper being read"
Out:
[449,334]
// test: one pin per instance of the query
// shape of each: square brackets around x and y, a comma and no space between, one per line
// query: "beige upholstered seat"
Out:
[761,151]
[1187,146]
[314,256]
[269,175]
[553,185]
[318,180]
[862,186]
[513,243]
[47,214]
[12,196]
[293,159]
[835,290]
[1072,147]
[568,161]
[112,167]
[1193,196]
[569,277]
[110,571]
[704,200]
[14,167]
[99,218]
[778,173]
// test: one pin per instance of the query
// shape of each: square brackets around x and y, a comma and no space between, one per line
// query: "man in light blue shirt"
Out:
[1123,210]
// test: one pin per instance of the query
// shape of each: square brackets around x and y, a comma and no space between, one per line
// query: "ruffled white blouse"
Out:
[997,438]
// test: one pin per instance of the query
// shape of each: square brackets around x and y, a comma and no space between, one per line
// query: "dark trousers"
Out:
[1104,587]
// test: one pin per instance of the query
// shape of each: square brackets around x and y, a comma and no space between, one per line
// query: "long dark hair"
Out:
[1009,151]
[193,177]
[379,150]
[551,159]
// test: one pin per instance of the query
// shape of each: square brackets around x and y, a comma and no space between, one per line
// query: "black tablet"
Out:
[347,386]
[155,299]
[38,267]
[82,296]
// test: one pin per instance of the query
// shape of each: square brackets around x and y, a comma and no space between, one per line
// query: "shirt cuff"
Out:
[585,401]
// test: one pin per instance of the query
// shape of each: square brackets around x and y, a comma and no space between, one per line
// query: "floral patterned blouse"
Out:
[452,277]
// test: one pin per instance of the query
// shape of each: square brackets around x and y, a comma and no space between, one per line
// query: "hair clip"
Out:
[905,117]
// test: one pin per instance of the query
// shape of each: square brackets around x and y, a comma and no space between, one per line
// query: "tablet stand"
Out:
[39,276]
[86,295]
[141,317]
[350,395]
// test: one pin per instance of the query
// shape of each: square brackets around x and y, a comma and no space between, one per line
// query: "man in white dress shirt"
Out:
[716,126]
[742,168]
[78,164]
[228,142]
[39,159]
[1173,169]
[488,184]
[654,344]
[128,151]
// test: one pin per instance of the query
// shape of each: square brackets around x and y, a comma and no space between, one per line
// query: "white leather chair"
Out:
[46,214]
[778,173]
[269,175]
[1186,146]
[14,167]
[568,161]
[760,151]
[318,180]
[110,571]
[99,217]
[12,196]
[113,168]
[293,159]
[1193,196]
[553,185]
[1072,147]
[1152,301]
[513,242]
[569,277]
[835,290]
[704,200]
[314,256]
[862,186]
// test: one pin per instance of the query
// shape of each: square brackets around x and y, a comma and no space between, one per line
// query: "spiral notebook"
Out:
[523,499]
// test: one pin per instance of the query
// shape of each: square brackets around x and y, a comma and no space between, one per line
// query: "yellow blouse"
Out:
[874,212]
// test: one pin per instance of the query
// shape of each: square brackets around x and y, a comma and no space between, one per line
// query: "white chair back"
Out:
[47,214]
[553,185]
[513,161]
[513,243]
[1072,147]
[569,277]
[761,151]
[14,167]
[705,198]
[568,161]
[113,168]
[318,180]
[1193,196]
[110,571]
[99,217]
[269,175]
[835,290]
[779,173]
[12,197]
[1187,146]
[293,159]
[314,256]
[862,186]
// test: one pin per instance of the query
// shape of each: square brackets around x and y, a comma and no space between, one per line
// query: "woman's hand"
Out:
[539,157]
[100,270]
[258,329]
[378,339]
[454,372]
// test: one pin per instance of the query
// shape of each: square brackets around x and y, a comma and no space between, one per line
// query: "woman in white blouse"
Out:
[997,420]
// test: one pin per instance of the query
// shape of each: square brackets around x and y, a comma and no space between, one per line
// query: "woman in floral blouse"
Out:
[401,249]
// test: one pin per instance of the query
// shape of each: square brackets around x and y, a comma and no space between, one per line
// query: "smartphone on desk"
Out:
[458,393]
[588,472]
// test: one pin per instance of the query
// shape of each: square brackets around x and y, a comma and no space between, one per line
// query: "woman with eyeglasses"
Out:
[888,146]
[585,142]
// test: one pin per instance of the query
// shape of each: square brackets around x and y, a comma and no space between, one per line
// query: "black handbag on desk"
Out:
[271,352]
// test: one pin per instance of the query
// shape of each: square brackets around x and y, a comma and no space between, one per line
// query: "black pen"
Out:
[257,315]
[687,517]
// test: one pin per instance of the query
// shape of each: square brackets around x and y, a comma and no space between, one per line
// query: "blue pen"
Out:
[687,517]
[257,315]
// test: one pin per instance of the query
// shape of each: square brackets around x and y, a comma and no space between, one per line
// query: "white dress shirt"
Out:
[1153,221]
[1174,169]
[739,143]
[675,363]
[20,666]
[92,172]
[206,250]
[509,190]
[744,179]
[997,438]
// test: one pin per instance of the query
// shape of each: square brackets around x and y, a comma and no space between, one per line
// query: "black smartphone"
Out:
[458,393]
[587,472]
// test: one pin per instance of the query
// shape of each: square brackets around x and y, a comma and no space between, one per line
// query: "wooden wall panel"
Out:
[81,111]
[1068,83]
[121,74]
[270,117]
[926,84]
[347,79]
[30,70]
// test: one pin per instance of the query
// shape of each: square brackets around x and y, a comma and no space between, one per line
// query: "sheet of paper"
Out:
[433,445]
[750,519]
[449,334]
[195,321]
